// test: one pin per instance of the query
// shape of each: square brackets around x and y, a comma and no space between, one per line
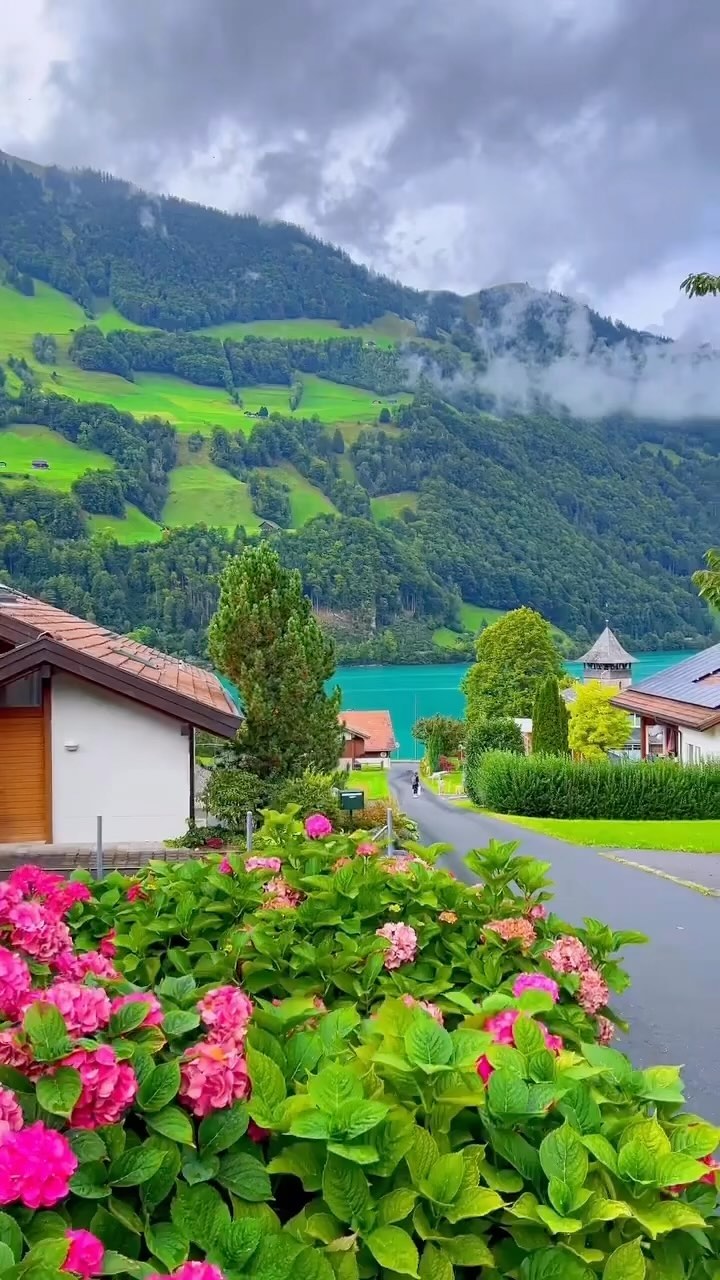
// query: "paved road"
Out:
[673,1006]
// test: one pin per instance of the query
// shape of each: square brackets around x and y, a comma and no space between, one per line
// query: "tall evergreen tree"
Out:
[550,720]
[265,638]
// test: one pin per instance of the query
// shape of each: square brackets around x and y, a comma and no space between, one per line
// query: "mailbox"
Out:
[351,800]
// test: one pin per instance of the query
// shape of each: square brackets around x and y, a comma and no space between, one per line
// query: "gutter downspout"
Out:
[191,753]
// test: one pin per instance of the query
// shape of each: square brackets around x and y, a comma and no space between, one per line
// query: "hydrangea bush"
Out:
[321,1063]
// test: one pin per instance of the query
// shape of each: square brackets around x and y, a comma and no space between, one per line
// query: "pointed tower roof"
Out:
[607,651]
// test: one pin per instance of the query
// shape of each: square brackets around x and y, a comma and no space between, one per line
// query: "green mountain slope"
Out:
[216,375]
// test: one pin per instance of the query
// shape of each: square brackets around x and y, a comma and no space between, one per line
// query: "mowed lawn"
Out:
[668,837]
[201,493]
[374,782]
[20,446]
[134,527]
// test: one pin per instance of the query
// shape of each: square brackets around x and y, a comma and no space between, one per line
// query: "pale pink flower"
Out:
[78,967]
[11,1116]
[606,1031]
[225,867]
[37,932]
[85,1009]
[366,850]
[317,826]
[135,893]
[593,992]
[399,866]
[264,864]
[34,882]
[15,982]
[514,930]
[426,1006]
[283,896]
[36,1165]
[107,946]
[536,982]
[403,944]
[226,1011]
[155,1013]
[538,912]
[214,1076]
[569,955]
[108,1087]
[86,1254]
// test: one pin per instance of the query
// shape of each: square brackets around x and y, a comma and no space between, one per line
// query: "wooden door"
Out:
[23,780]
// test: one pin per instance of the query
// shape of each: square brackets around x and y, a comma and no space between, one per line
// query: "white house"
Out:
[679,708]
[95,724]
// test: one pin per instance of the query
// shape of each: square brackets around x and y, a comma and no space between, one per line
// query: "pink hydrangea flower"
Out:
[108,1087]
[502,1029]
[135,893]
[536,982]
[37,932]
[155,1014]
[36,1165]
[606,1031]
[85,1009]
[317,826]
[213,1077]
[35,882]
[225,867]
[283,897]
[193,1271]
[366,850]
[64,898]
[514,930]
[9,898]
[77,967]
[11,1116]
[86,1254]
[15,982]
[341,862]
[403,944]
[569,955]
[593,992]
[226,1012]
[13,1053]
[264,864]
[107,946]
[538,912]
[426,1005]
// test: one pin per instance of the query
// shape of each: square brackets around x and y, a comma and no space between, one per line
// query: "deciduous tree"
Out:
[708,580]
[512,657]
[596,726]
[450,732]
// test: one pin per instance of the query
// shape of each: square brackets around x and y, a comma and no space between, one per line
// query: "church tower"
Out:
[607,661]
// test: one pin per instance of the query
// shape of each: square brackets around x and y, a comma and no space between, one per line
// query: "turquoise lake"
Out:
[410,692]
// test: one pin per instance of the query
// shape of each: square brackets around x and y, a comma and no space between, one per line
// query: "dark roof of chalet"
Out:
[607,651]
[696,680]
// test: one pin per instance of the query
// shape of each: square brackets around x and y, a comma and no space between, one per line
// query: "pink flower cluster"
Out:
[213,1076]
[536,982]
[226,1012]
[502,1029]
[192,1271]
[514,930]
[86,1254]
[538,912]
[15,982]
[154,1015]
[13,1053]
[427,1006]
[317,826]
[77,967]
[282,896]
[108,1087]
[135,893]
[32,905]
[606,1031]
[403,944]
[85,1009]
[36,1165]
[264,864]
[11,1116]
[570,955]
[37,931]
[366,850]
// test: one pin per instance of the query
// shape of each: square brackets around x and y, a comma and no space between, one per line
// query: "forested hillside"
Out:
[175,381]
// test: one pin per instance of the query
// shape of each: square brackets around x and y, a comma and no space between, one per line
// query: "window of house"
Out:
[26,692]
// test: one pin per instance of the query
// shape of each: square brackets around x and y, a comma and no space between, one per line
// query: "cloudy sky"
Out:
[452,143]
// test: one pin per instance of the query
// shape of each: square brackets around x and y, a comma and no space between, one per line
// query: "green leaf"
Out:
[335,1027]
[128,1017]
[626,1263]
[177,1022]
[167,1243]
[200,1213]
[44,1226]
[135,1166]
[426,1043]
[333,1086]
[11,1236]
[47,1032]
[507,1094]
[86,1144]
[396,1205]
[355,1117]
[163,1182]
[48,1253]
[303,1052]
[125,1213]
[359,1152]
[678,1169]
[423,1155]
[668,1215]
[696,1140]
[345,1190]
[160,1087]
[177,989]
[268,1087]
[311,1124]
[636,1163]
[245,1176]
[555,1264]
[610,1061]
[394,1249]
[474,1203]
[116,1264]
[275,1257]
[311,1264]
[556,1223]
[563,1156]
[528,1036]
[305,1160]
[197,1168]
[601,1149]
[239,1241]
[468,1251]
[662,1084]
[90,1181]
[58,1093]
[7,1257]
[435,1265]
[444,1179]
[598,1209]
[173,1123]
[222,1129]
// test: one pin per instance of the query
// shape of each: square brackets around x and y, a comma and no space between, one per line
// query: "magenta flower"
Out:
[107,946]
[192,1271]
[77,967]
[86,1254]
[15,982]
[64,898]
[536,982]
[213,1077]
[502,1029]
[85,1009]
[36,1165]
[37,932]
[264,864]
[13,1053]
[135,893]
[257,1134]
[317,826]
[155,1014]
[225,867]
[538,912]
[108,1087]
[11,1116]
[9,898]
[35,882]
[403,944]
[226,1012]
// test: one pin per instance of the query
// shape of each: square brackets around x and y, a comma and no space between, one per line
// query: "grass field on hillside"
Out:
[201,493]
[134,527]
[22,445]
[390,505]
[472,616]
[306,501]
[47,312]
[187,406]
[387,331]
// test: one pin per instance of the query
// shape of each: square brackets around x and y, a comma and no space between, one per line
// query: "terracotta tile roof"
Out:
[151,667]
[374,726]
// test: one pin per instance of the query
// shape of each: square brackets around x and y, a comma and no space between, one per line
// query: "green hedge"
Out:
[553,787]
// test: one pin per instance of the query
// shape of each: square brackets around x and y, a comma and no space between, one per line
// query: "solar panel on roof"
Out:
[684,682]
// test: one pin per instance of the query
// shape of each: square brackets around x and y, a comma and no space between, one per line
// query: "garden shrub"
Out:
[231,793]
[311,793]
[492,735]
[552,787]
[413,1076]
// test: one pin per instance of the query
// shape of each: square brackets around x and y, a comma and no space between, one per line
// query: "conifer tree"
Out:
[550,720]
[265,639]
